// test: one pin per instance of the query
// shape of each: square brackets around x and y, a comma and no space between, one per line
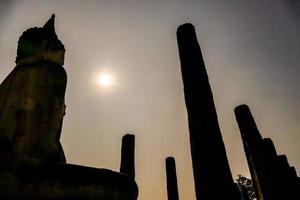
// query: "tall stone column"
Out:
[272,176]
[213,179]
[172,186]
[127,155]
[252,145]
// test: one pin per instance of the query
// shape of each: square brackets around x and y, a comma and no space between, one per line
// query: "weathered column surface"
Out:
[273,178]
[172,186]
[213,179]
[127,155]
[252,146]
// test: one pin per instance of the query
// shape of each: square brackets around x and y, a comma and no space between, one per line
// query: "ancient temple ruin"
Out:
[273,177]
[32,160]
[33,165]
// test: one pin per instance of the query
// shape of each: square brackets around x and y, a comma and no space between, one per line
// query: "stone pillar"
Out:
[213,179]
[252,141]
[172,186]
[272,176]
[127,155]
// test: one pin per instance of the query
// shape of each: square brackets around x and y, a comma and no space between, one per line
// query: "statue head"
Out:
[38,44]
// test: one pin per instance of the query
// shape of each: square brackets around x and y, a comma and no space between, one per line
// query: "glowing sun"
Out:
[104,79]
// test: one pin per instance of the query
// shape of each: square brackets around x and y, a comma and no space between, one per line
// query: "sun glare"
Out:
[104,80]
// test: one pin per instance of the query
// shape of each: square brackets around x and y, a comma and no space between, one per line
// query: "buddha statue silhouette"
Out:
[32,106]
[32,97]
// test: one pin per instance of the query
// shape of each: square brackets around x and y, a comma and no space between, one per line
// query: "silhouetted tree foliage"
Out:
[246,188]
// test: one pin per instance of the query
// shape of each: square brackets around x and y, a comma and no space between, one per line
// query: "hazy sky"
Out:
[251,50]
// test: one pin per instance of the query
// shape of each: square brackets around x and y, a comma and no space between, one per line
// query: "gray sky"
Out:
[251,52]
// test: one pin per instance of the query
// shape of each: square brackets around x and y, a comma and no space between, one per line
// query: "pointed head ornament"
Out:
[49,25]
